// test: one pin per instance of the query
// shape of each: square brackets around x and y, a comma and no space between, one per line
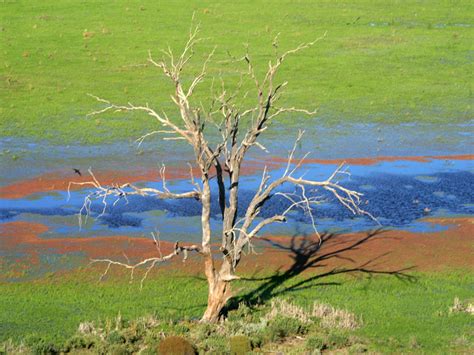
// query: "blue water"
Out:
[324,142]
[398,193]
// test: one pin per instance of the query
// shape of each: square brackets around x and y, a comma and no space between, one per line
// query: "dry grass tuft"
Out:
[86,328]
[462,307]
[280,307]
[330,317]
[9,347]
[334,318]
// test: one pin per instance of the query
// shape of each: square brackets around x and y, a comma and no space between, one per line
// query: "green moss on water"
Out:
[380,61]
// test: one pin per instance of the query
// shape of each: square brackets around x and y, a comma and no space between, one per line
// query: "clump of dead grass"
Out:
[329,316]
[335,318]
[462,307]
[283,308]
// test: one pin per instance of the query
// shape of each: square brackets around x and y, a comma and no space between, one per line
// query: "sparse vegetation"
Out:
[282,327]
[384,303]
[183,337]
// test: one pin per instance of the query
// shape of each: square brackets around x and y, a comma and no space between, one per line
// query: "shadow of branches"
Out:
[307,253]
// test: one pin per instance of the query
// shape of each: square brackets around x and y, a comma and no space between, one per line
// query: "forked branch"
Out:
[119,192]
[148,263]
[350,199]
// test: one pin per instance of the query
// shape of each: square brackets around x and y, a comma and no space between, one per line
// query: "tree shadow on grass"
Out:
[307,253]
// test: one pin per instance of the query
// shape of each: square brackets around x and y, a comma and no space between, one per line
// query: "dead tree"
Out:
[240,129]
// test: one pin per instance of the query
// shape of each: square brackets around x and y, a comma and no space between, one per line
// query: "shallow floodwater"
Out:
[20,158]
[398,192]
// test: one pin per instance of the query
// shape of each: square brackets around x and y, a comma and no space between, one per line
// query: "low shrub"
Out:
[215,344]
[175,345]
[181,328]
[115,337]
[316,342]
[118,349]
[413,343]
[257,340]
[10,347]
[39,345]
[242,327]
[203,331]
[331,317]
[282,327]
[463,341]
[150,349]
[240,345]
[337,339]
[245,330]
[283,308]
[243,312]
[86,328]
[462,306]
[358,348]
[79,342]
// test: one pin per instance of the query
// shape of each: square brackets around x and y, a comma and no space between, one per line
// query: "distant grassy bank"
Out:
[397,315]
[381,61]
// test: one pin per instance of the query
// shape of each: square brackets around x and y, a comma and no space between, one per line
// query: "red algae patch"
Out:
[24,237]
[376,160]
[377,252]
[60,180]
[384,251]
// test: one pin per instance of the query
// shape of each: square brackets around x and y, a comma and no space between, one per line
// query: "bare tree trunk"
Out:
[219,292]
[218,295]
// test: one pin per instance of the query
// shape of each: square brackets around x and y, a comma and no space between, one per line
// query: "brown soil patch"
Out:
[383,251]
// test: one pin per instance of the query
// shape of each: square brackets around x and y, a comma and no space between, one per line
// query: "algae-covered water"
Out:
[399,193]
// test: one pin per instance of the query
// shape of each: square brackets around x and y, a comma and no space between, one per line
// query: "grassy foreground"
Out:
[381,61]
[396,315]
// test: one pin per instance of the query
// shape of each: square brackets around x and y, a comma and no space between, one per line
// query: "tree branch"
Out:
[150,263]
[123,191]
[350,199]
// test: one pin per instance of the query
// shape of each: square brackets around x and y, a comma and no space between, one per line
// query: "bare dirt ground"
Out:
[382,250]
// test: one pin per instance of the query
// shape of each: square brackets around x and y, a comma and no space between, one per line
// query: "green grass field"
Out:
[397,315]
[381,61]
